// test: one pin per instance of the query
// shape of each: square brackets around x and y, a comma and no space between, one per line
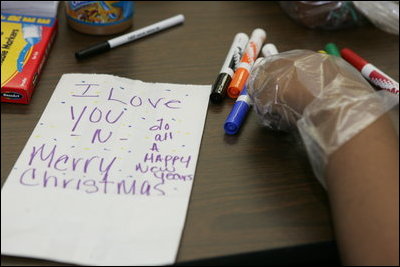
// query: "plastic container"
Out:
[99,17]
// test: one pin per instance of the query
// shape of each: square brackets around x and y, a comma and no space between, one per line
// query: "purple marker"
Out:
[238,113]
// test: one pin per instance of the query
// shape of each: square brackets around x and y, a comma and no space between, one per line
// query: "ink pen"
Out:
[228,68]
[129,37]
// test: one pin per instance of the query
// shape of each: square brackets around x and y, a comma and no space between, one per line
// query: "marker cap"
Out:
[354,59]
[219,88]
[237,115]
[93,50]
[332,49]
[236,118]
[269,50]
[259,33]
[238,82]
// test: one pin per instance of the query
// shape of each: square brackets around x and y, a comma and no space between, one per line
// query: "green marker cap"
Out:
[332,49]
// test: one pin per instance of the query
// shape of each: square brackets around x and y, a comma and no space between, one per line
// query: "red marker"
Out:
[370,72]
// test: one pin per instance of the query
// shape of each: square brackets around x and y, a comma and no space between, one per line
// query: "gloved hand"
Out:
[321,96]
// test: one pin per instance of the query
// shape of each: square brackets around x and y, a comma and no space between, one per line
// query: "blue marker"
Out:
[238,113]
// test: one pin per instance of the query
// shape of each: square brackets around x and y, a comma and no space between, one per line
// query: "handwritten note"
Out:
[105,178]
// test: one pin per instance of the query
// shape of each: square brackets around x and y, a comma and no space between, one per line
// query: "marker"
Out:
[251,52]
[332,49]
[238,113]
[239,110]
[243,103]
[231,62]
[129,37]
[269,50]
[322,51]
[370,72]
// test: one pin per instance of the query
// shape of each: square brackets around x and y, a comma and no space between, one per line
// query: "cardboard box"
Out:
[25,43]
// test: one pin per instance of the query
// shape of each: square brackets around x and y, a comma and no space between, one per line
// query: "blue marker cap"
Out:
[238,113]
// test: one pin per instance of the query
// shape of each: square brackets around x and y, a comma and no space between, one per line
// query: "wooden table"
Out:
[254,191]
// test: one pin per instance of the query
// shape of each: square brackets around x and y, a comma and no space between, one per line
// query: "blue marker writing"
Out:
[238,113]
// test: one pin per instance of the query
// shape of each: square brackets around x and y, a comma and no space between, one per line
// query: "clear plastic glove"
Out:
[321,96]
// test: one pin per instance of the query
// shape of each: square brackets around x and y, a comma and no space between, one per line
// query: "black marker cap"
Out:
[93,50]
[219,88]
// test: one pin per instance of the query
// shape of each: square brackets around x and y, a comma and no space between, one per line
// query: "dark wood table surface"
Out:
[252,192]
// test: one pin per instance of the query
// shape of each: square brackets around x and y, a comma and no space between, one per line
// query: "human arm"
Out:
[362,179]
[351,143]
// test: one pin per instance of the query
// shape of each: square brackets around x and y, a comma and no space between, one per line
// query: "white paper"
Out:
[105,178]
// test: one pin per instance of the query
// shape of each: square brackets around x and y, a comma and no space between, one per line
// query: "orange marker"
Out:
[250,54]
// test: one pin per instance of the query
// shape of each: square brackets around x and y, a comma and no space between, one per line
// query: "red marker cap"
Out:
[354,59]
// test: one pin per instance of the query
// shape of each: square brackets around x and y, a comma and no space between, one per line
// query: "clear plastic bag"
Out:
[326,15]
[383,14]
[333,15]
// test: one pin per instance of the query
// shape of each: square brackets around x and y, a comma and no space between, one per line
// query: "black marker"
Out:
[225,75]
[129,37]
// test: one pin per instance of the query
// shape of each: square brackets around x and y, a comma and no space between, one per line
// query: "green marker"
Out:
[332,49]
